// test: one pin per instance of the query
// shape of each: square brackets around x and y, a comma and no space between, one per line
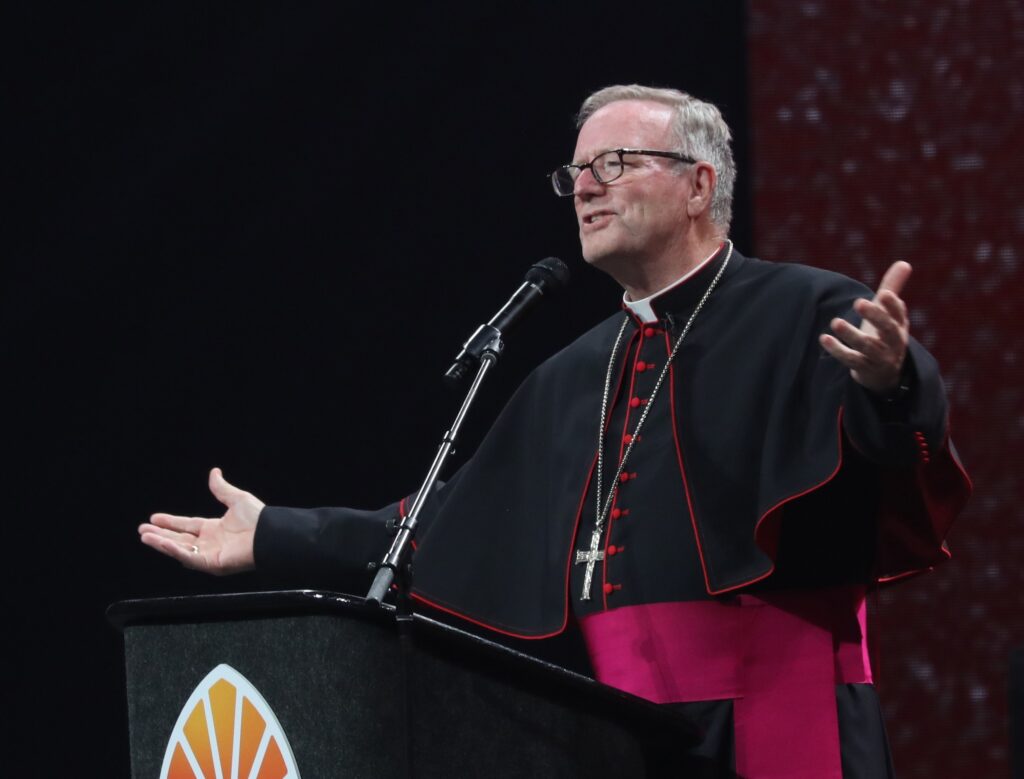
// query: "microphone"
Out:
[543,278]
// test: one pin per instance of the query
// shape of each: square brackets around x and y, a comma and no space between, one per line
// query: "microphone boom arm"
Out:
[394,561]
[482,350]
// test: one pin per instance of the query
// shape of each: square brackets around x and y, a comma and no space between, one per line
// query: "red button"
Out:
[641,366]
[649,332]
[634,402]
[624,477]
[608,588]
[627,438]
[616,513]
[612,549]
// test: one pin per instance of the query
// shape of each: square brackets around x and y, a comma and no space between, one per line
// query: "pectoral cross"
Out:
[590,557]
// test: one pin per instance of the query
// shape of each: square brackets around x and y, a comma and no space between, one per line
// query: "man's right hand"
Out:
[217,545]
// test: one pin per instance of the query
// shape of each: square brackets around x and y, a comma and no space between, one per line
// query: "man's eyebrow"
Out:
[585,160]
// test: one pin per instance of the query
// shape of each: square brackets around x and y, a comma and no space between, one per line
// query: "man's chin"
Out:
[594,253]
[595,260]
[606,262]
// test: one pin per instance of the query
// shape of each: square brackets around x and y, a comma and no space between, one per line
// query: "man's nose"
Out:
[586,184]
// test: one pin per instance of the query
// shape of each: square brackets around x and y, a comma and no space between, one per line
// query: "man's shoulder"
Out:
[788,290]
[598,339]
[798,277]
[587,350]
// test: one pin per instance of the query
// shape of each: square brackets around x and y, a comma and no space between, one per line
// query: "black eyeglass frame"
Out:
[672,155]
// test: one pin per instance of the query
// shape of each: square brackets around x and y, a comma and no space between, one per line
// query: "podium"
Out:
[342,691]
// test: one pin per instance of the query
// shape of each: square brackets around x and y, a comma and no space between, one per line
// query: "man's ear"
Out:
[704,179]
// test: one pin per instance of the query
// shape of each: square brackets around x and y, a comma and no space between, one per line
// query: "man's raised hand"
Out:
[875,351]
[217,545]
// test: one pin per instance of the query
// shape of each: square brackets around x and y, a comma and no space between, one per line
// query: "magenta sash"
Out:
[778,656]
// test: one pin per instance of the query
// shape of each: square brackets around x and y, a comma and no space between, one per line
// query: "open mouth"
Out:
[598,216]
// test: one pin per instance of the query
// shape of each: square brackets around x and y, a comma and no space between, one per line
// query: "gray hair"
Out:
[700,130]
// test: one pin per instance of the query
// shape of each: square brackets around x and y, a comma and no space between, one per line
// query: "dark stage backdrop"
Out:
[885,131]
[254,237]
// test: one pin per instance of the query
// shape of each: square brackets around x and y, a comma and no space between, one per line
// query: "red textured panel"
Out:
[887,131]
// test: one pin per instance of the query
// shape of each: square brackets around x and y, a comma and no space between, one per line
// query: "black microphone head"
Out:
[549,274]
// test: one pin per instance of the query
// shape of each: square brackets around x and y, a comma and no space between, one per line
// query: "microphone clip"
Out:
[485,343]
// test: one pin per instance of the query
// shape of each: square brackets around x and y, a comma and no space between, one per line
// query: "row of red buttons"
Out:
[922,446]
[617,513]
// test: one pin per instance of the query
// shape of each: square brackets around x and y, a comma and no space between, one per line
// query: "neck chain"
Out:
[593,555]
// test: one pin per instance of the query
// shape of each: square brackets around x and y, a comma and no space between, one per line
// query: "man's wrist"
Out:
[894,403]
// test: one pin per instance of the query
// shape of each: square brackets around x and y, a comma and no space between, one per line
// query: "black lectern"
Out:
[322,685]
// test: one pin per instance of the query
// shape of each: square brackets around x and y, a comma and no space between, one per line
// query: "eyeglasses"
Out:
[605,167]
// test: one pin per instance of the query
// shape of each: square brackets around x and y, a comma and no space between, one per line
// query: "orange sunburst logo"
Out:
[227,731]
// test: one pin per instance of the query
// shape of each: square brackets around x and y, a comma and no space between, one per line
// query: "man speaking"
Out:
[704,485]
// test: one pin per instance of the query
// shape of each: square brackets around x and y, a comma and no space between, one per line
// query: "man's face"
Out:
[639,218]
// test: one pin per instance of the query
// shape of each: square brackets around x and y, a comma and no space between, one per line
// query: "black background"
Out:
[253,236]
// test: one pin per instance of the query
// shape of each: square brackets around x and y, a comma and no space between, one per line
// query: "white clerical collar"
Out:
[643,310]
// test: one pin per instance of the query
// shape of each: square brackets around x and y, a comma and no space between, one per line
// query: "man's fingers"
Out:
[851,358]
[854,338]
[881,318]
[895,277]
[171,535]
[894,305]
[179,524]
[151,534]
[222,490]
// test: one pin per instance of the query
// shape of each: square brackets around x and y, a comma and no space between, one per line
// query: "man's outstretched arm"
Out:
[325,547]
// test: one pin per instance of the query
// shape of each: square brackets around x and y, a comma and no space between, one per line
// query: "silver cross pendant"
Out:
[591,557]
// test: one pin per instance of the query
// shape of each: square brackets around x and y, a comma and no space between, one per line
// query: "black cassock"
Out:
[762,467]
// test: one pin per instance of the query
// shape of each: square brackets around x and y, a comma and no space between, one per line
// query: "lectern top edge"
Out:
[198,608]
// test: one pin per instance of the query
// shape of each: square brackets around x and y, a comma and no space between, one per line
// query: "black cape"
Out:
[775,434]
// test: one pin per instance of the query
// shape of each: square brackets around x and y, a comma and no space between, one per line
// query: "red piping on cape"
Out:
[568,572]
[757,527]
[682,469]
[568,561]
[492,628]
[770,548]
[921,469]
[908,574]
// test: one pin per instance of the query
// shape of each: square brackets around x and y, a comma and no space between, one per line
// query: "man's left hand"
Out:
[875,351]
